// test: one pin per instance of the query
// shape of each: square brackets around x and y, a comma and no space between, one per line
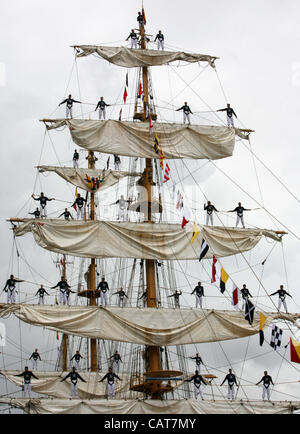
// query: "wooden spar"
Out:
[154,352]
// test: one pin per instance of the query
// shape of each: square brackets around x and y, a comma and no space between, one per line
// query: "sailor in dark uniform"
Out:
[209,208]
[140,20]
[197,380]
[103,288]
[245,295]
[117,162]
[69,105]
[239,214]
[122,295]
[10,288]
[133,39]
[77,356]
[74,376]
[176,296]
[198,361]
[66,214]
[110,376]
[75,159]
[63,286]
[231,379]
[79,203]
[27,375]
[199,291]
[186,113]
[41,293]
[43,203]
[35,357]
[122,207]
[116,361]
[101,106]
[267,381]
[160,40]
[36,213]
[230,112]
[282,296]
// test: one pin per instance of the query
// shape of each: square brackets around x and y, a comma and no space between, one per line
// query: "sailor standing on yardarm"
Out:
[101,106]
[43,203]
[121,295]
[66,214]
[116,361]
[27,375]
[77,356]
[197,380]
[281,297]
[10,288]
[36,213]
[103,288]
[245,294]
[160,40]
[267,381]
[133,39]
[239,214]
[41,293]
[79,203]
[69,106]
[186,113]
[63,286]
[35,357]
[74,376]
[110,382]
[75,159]
[176,296]
[231,379]
[198,361]
[230,112]
[209,208]
[199,291]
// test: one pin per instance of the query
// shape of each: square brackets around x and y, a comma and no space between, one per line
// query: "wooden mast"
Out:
[154,352]
[65,337]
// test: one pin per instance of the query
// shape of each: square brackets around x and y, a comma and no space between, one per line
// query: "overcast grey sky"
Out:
[259,68]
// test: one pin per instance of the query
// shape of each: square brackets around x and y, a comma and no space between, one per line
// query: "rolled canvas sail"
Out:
[104,239]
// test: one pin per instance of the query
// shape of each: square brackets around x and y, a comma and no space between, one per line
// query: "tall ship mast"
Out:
[149,325]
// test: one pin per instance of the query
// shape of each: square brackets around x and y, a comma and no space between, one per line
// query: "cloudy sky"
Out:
[259,72]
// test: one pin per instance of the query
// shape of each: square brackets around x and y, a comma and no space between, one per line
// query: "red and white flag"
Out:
[235,296]
[167,173]
[186,217]
[125,95]
[214,271]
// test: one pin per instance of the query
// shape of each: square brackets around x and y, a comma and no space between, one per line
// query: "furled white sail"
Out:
[117,406]
[132,139]
[155,327]
[49,383]
[104,239]
[83,178]
[132,58]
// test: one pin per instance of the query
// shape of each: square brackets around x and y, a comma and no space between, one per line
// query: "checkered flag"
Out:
[276,337]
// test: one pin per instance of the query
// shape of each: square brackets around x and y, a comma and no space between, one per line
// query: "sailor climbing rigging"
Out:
[69,106]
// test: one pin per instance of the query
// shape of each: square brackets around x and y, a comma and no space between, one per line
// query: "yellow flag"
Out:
[262,322]
[196,232]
